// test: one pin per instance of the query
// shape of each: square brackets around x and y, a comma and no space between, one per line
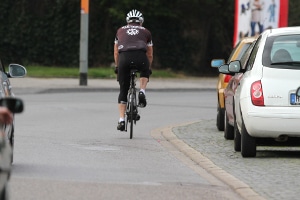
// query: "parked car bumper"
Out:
[272,122]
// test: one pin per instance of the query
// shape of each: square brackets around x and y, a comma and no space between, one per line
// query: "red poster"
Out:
[254,16]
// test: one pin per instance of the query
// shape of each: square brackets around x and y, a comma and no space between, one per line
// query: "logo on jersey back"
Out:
[132,31]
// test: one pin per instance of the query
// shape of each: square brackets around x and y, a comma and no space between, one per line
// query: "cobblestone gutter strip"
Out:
[238,186]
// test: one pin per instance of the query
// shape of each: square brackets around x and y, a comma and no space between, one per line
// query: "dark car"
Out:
[229,91]
[15,105]
[223,79]
[14,71]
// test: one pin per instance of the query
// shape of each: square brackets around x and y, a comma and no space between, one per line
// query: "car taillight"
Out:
[227,78]
[257,95]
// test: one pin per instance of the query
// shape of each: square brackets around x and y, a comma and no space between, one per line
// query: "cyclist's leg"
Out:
[143,83]
[123,78]
[122,109]
[143,66]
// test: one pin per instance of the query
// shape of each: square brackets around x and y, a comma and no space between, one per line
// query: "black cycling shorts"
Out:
[140,60]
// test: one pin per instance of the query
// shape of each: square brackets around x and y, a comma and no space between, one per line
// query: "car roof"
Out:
[283,31]
[248,39]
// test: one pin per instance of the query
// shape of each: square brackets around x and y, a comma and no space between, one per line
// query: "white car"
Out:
[266,105]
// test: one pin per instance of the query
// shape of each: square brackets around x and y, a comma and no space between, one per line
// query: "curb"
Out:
[241,188]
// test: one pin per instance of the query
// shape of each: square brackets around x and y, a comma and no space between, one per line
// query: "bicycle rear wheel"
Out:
[130,113]
[131,120]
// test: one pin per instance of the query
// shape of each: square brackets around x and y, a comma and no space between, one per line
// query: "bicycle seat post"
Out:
[133,73]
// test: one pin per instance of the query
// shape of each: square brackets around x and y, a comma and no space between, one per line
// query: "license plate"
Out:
[294,99]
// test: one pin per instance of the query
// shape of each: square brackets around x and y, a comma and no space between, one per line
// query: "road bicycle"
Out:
[132,107]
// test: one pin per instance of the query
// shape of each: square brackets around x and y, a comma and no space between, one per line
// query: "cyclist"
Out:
[133,43]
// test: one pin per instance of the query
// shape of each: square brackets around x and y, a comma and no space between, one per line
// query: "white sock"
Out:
[121,119]
[142,90]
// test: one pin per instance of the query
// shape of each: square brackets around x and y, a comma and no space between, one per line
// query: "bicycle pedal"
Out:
[138,117]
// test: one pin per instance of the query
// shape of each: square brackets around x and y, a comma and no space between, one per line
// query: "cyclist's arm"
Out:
[116,54]
[150,55]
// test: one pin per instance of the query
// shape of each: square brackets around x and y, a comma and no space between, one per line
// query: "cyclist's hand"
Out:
[116,70]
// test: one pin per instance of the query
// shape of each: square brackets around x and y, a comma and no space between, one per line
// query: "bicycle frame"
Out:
[131,106]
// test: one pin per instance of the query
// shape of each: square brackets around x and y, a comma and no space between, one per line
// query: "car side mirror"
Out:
[224,69]
[16,70]
[15,105]
[217,62]
[234,66]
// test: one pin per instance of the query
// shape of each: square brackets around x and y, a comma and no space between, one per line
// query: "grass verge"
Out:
[101,72]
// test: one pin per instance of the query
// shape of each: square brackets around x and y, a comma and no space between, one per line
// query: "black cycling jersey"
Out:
[133,37]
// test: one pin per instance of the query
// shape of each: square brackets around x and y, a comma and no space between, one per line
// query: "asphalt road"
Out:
[180,119]
[67,147]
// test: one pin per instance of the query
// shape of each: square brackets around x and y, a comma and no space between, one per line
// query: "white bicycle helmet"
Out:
[135,16]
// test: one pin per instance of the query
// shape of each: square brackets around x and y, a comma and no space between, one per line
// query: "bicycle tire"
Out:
[131,108]
[131,114]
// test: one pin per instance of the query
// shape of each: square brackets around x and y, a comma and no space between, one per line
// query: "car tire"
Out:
[248,143]
[4,193]
[12,142]
[237,138]
[220,118]
[228,129]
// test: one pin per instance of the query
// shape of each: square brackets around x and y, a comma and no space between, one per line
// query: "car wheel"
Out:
[220,118]
[4,193]
[248,143]
[237,138]
[228,129]
[12,142]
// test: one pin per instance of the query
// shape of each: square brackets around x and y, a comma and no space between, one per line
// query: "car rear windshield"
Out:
[282,52]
